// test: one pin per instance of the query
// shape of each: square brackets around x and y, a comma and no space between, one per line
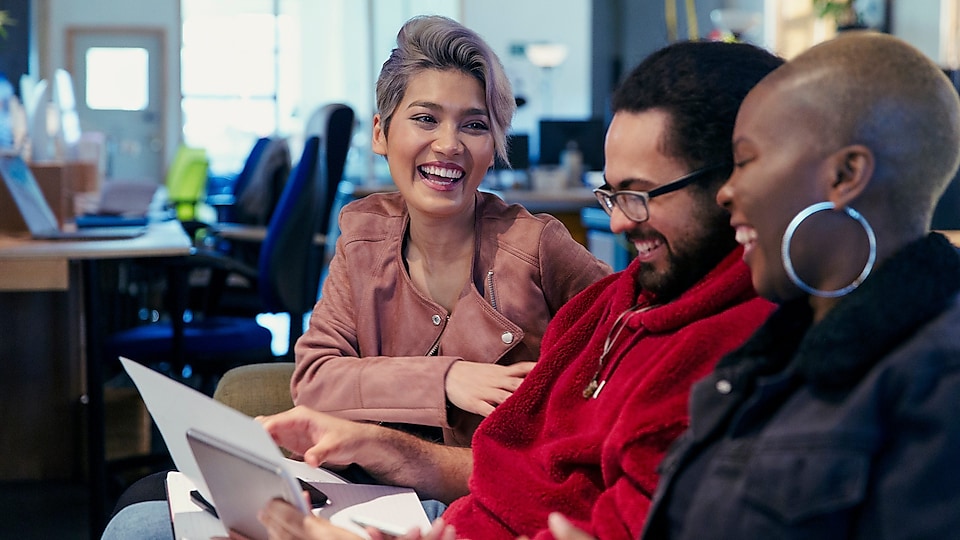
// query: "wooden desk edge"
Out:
[163,239]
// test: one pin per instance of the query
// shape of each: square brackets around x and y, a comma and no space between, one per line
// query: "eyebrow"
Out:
[627,184]
[473,111]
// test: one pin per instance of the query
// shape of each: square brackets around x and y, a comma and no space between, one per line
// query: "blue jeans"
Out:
[142,521]
[151,521]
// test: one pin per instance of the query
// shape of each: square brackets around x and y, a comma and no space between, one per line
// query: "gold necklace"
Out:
[593,388]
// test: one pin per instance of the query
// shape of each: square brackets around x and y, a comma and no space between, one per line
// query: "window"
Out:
[117,78]
[232,56]
[252,68]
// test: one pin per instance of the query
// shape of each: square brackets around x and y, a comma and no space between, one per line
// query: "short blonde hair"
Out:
[435,42]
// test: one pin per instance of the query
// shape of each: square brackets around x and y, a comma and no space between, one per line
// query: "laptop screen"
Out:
[27,196]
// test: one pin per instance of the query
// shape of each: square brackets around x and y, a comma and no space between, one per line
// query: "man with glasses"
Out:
[584,432]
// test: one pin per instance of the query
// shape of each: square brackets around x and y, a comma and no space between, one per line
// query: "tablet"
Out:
[241,483]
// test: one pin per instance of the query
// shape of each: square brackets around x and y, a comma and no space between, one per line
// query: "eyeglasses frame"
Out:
[604,195]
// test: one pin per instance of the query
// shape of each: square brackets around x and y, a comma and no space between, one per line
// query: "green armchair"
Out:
[257,389]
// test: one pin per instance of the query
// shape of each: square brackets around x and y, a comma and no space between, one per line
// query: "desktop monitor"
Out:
[556,135]
[518,152]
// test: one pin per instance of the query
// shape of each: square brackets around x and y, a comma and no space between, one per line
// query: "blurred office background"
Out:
[153,75]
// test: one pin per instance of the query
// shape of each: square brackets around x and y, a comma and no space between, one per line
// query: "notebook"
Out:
[36,212]
[122,203]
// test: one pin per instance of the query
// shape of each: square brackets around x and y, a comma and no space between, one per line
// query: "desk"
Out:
[51,393]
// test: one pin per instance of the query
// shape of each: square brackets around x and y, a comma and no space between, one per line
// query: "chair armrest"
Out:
[257,389]
[236,231]
[251,233]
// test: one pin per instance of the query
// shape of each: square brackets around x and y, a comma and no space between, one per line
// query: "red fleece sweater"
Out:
[548,448]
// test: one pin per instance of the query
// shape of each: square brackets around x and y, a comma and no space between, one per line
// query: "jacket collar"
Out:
[910,288]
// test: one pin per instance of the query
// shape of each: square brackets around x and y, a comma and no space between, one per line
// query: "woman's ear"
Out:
[853,168]
[379,142]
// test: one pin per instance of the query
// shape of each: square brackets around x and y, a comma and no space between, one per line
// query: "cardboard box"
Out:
[60,182]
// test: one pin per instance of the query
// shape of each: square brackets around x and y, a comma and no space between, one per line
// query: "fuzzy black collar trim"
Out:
[906,291]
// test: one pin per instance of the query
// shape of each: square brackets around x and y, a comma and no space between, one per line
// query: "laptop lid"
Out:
[26,194]
[177,408]
[37,214]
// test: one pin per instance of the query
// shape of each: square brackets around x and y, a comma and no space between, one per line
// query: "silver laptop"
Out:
[37,214]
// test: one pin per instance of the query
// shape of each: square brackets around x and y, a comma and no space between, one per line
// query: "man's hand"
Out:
[284,522]
[391,456]
[317,437]
[439,531]
[478,388]
[562,529]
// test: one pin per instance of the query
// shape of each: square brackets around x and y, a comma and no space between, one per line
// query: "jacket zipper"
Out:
[493,297]
[493,302]
[436,344]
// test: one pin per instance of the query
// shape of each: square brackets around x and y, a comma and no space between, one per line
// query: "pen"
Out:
[382,526]
[202,502]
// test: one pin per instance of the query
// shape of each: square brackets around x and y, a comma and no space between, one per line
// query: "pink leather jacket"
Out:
[377,349]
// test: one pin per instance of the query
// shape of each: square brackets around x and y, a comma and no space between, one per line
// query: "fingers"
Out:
[520,369]
[482,408]
[283,521]
[562,529]
[315,436]
[317,528]
[479,388]
[440,530]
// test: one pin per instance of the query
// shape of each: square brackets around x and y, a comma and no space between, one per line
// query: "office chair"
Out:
[186,180]
[287,276]
[259,184]
[333,124]
[256,192]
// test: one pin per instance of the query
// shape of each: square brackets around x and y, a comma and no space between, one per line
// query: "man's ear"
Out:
[853,168]
[379,142]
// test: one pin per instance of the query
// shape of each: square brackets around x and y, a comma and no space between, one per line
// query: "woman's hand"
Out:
[317,437]
[478,388]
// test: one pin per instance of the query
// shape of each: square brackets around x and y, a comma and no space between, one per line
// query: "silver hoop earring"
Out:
[788,237]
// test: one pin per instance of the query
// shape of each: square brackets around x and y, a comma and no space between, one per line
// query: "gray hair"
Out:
[435,42]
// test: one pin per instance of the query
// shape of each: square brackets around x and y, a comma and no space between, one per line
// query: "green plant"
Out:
[5,21]
[842,11]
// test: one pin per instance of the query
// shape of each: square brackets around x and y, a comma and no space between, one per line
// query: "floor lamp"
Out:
[546,56]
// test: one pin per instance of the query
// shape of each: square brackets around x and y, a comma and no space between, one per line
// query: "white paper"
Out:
[190,521]
[177,408]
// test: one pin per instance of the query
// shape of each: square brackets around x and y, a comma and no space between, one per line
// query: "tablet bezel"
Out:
[241,484]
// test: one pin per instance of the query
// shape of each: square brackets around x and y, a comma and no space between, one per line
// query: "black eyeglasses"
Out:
[633,204]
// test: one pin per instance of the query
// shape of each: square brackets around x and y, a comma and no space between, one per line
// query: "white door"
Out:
[118,75]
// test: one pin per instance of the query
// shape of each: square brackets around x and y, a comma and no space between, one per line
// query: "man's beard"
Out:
[690,262]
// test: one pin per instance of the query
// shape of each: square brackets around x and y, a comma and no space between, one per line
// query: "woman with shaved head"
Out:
[838,418]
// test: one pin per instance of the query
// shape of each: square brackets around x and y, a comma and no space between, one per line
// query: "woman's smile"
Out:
[441,177]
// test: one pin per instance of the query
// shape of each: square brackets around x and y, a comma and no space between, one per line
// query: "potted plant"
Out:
[5,21]
[844,12]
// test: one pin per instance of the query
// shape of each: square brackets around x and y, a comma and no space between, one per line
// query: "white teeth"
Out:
[646,246]
[442,172]
[745,235]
